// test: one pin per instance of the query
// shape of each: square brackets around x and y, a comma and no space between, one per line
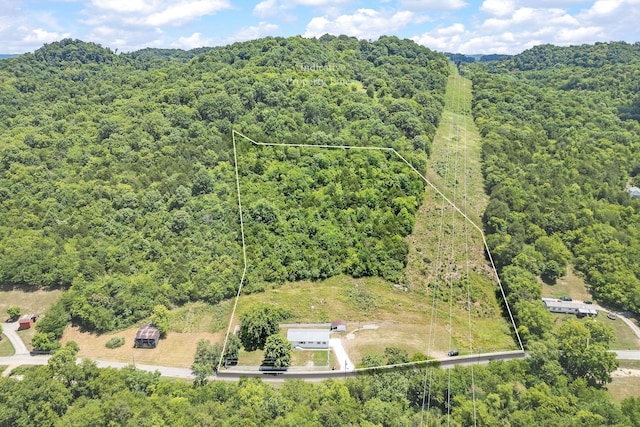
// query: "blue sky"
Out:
[467,26]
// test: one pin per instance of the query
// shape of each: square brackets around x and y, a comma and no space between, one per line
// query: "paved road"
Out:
[627,354]
[10,332]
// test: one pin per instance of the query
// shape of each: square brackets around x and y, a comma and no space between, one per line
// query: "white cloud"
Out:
[253,32]
[579,35]
[178,13]
[193,41]
[128,6]
[498,7]
[432,4]
[282,8]
[512,29]
[443,38]
[42,36]
[364,23]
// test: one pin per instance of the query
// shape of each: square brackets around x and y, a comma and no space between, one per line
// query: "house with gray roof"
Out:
[316,339]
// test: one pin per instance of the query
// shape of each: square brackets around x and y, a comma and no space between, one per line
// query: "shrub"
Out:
[13,312]
[115,342]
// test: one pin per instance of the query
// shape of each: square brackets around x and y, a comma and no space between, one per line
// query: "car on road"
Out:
[453,353]
[566,299]
[612,316]
[588,301]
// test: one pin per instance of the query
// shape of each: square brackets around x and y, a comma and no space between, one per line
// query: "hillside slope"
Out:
[117,181]
[561,137]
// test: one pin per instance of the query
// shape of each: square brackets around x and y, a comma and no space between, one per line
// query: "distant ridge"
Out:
[8,55]
[459,57]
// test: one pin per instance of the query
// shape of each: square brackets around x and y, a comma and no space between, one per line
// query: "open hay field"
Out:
[187,325]
[177,349]
[29,300]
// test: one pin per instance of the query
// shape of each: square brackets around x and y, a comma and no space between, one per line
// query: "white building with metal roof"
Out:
[309,338]
[568,307]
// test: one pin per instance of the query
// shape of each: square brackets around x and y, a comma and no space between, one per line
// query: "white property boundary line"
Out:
[346,147]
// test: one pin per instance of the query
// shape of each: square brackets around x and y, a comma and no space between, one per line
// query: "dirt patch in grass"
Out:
[629,364]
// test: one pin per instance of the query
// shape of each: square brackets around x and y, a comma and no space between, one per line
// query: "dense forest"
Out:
[117,176]
[117,183]
[561,139]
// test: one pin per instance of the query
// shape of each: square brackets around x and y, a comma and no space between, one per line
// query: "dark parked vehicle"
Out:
[588,302]
[453,353]
[566,299]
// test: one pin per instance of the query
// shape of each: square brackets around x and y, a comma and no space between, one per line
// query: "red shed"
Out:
[26,321]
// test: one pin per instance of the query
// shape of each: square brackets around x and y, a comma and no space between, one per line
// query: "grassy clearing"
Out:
[571,285]
[624,338]
[187,325]
[299,358]
[623,387]
[177,349]
[445,248]
[28,299]
[6,349]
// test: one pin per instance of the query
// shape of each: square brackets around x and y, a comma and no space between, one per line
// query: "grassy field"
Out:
[623,387]
[624,338]
[29,300]
[177,349]
[571,285]
[6,349]
[187,325]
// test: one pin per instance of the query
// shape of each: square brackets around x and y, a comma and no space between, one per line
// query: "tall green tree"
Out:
[277,352]
[257,324]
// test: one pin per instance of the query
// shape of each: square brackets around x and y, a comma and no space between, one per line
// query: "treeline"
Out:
[523,393]
[117,176]
[558,154]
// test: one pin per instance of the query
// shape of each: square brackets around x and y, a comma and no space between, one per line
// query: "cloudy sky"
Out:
[467,26]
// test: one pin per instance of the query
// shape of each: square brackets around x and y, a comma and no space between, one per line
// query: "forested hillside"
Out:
[507,393]
[117,179]
[561,143]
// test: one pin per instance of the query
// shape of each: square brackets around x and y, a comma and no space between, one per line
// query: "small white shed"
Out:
[309,338]
[339,326]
